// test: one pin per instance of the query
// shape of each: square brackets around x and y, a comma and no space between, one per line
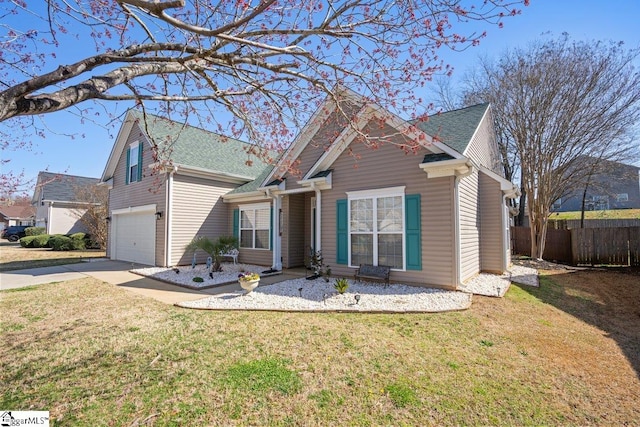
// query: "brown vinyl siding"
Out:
[389,166]
[150,190]
[469,226]
[250,256]
[198,210]
[491,234]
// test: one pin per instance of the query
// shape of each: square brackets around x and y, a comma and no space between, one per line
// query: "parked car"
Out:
[14,232]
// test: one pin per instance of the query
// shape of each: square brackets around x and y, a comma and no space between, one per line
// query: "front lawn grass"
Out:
[605,214]
[15,257]
[94,354]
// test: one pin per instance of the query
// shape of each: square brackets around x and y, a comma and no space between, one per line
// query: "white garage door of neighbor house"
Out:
[135,238]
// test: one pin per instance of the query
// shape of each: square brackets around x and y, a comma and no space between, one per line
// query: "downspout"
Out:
[506,246]
[458,241]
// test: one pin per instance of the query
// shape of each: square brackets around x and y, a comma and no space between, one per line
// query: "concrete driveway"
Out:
[113,272]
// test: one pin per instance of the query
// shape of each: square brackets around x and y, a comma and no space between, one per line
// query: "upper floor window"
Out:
[134,163]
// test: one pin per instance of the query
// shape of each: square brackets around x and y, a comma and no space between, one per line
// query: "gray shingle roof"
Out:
[454,128]
[196,147]
[255,184]
[60,187]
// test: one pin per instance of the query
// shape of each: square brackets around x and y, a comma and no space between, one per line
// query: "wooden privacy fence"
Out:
[557,247]
[590,246]
[569,224]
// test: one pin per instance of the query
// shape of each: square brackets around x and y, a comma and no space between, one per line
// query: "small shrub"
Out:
[34,231]
[41,241]
[198,279]
[61,243]
[78,241]
[27,242]
[341,285]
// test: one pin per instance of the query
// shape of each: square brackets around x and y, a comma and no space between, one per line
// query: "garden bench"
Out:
[376,272]
[232,253]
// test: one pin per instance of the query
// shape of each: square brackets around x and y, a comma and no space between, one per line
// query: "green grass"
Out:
[607,214]
[94,354]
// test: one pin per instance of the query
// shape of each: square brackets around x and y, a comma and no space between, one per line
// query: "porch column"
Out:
[277,237]
[318,242]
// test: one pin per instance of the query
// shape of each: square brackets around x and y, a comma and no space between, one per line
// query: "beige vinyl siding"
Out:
[197,210]
[483,148]
[293,234]
[150,190]
[65,219]
[469,226]
[250,256]
[389,166]
[438,232]
[491,214]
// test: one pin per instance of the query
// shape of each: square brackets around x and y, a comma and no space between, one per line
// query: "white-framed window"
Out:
[557,204]
[376,227]
[622,197]
[134,153]
[255,226]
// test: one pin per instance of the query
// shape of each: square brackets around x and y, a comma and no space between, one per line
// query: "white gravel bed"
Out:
[494,285]
[490,285]
[525,275]
[318,295]
[186,274]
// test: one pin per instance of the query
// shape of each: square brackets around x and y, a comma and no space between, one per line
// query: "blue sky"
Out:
[87,155]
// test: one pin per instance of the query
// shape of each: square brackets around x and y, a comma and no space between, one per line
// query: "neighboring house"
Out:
[55,198]
[613,185]
[429,202]
[16,215]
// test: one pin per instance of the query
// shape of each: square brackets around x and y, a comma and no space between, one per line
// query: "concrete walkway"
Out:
[113,272]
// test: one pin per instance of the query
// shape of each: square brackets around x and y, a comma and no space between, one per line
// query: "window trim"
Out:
[254,207]
[133,161]
[620,199]
[375,194]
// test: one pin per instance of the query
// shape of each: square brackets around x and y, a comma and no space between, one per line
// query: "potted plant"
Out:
[249,281]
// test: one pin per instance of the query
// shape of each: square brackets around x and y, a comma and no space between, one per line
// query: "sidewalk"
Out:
[113,272]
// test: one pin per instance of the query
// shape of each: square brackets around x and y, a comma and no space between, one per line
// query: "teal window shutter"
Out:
[140,162]
[342,232]
[413,232]
[236,224]
[126,173]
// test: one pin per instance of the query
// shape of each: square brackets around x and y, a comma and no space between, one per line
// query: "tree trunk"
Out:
[584,198]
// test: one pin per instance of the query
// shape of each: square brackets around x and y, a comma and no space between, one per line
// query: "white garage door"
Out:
[135,237]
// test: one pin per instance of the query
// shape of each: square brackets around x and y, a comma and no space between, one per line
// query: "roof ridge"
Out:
[442,113]
[200,128]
